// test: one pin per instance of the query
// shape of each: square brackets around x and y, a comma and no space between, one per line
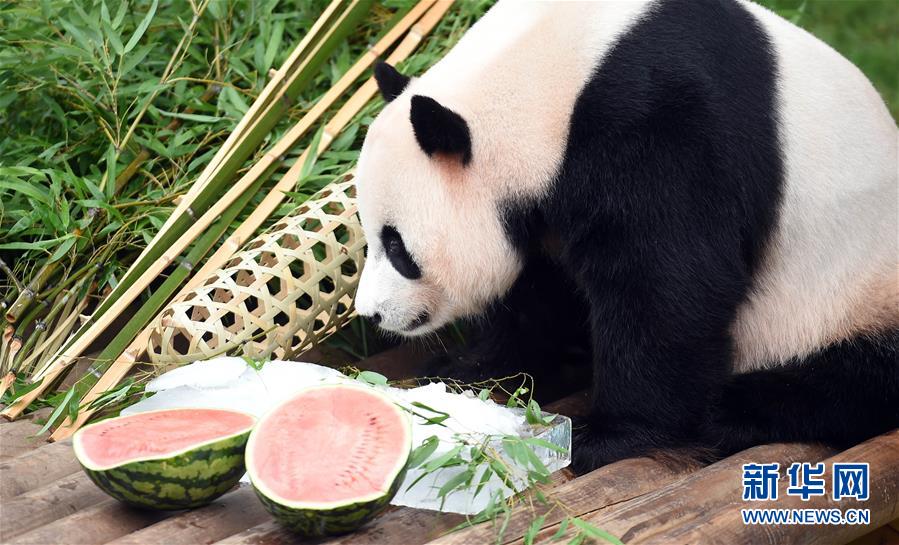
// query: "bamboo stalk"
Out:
[203,189]
[185,228]
[23,300]
[65,324]
[123,364]
[276,194]
[264,98]
[6,382]
[113,351]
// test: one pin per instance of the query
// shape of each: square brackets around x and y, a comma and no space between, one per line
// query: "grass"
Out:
[113,107]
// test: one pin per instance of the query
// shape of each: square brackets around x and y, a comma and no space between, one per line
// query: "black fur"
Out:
[546,337]
[396,252]
[390,82]
[439,129]
[841,395]
[660,214]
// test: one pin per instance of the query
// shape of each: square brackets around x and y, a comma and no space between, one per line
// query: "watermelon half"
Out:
[169,459]
[330,459]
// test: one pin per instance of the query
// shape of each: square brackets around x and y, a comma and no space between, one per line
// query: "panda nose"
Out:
[375,318]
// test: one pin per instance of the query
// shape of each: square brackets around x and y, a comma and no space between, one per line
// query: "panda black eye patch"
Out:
[396,252]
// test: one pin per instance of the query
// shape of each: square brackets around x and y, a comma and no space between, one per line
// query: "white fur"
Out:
[832,268]
[514,78]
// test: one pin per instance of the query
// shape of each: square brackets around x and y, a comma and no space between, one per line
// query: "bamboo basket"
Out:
[291,287]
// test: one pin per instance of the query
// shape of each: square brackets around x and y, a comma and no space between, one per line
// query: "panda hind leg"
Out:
[841,395]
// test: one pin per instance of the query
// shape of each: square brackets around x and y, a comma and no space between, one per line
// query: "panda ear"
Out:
[390,82]
[439,129]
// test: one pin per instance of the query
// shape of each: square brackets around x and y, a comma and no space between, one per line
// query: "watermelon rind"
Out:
[318,519]
[182,479]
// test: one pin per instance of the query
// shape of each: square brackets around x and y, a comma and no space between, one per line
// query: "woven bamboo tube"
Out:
[290,287]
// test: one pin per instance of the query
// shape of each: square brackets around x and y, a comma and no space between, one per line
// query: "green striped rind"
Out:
[190,479]
[330,522]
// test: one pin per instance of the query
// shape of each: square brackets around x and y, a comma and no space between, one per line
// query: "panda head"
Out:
[437,246]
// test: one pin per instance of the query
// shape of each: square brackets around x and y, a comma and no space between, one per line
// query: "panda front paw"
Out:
[594,445]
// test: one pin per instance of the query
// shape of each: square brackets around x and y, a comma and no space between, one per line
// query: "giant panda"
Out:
[702,193]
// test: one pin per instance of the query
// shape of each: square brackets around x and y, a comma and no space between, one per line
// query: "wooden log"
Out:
[685,499]
[54,501]
[37,468]
[400,524]
[233,512]
[96,524]
[725,525]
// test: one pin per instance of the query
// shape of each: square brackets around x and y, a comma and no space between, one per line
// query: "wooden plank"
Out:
[398,363]
[882,536]
[267,533]
[56,500]
[686,498]
[17,438]
[605,486]
[37,468]
[402,525]
[725,525]
[96,524]
[233,512]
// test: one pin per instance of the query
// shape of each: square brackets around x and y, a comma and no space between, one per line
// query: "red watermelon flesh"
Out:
[156,434]
[329,445]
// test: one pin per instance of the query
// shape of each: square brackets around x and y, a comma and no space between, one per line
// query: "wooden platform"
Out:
[46,499]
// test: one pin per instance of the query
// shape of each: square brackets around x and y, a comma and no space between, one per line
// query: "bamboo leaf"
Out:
[539,442]
[60,409]
[63,249]
[533,529]
[423,451]
[191,117]
[32,190]
[142,27]
[593,532]
[560,533]
[131,61]
[111,157]
[444,459]
[113,38]
[38,245]
[454,482]
[485,478]
[371,377]
[120,14]
[80,37]
[274,44]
